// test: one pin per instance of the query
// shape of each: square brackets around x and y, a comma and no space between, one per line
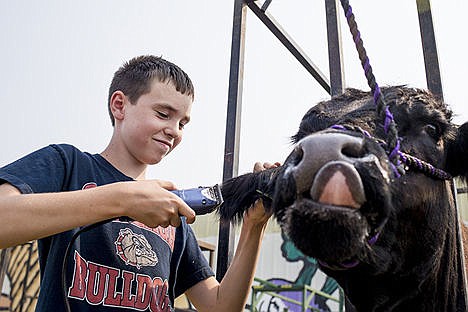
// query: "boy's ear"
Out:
[117,105]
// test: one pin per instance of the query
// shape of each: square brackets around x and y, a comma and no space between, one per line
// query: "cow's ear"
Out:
[457,153]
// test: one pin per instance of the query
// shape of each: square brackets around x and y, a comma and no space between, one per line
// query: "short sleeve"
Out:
[39,172]
[193,266]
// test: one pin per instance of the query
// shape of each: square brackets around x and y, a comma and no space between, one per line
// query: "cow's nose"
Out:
[316,150]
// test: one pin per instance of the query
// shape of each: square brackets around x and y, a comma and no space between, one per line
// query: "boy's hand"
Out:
[260,167]
[257,214]
[152,203]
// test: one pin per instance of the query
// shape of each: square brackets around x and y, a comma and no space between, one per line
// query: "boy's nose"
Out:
[173,131]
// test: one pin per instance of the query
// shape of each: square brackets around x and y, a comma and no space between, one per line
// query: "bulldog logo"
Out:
[134,249]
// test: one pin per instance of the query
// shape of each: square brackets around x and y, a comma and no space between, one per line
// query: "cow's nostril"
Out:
[352,150]
[296,156]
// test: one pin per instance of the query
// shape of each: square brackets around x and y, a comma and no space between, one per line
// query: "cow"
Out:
[387,232]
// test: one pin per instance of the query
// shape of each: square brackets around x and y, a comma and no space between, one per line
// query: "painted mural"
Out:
[309,274]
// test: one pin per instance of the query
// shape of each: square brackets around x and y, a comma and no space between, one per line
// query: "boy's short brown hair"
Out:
[134,78]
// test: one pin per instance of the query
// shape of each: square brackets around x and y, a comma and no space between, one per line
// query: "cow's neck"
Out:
[446,289]
[442,288]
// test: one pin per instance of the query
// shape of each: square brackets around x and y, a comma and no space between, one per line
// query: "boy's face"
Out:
[153,126]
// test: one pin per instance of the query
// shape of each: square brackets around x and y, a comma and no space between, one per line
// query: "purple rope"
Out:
[367,66]
[349,12]
[373,239]
[415,163]
[395,171]
[382,108]
[401,158]
[419,164]
[388,120]
[338,127]
[395,151]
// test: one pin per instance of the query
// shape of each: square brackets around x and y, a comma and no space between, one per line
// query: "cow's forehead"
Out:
[409,106]
[343,108]
[406,104]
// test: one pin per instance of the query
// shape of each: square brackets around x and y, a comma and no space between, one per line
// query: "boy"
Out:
[141,265]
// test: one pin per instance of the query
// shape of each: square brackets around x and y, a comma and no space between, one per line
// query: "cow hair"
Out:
[456,163]
[241,192]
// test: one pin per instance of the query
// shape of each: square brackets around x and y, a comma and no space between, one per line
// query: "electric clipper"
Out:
[203,199]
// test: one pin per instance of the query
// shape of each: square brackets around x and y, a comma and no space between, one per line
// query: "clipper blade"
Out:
[203,200]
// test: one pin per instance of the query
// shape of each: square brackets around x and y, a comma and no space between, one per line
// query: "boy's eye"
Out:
[162,115]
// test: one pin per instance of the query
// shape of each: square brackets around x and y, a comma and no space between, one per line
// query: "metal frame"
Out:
[307,292]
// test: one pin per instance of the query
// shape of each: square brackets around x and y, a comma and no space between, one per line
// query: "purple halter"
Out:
[400,162]
[409,162]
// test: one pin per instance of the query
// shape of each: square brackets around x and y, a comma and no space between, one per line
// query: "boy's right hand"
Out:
[152,203]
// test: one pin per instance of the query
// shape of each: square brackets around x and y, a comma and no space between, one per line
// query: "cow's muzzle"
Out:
[330,218]
[331,158]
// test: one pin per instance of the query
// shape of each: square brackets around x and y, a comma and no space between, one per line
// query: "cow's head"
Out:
[337,197]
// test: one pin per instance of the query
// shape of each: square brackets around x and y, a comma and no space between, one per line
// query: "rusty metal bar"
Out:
[335,51]
[289,43]
[265,5]
[462,275]
[431,59]
[233,123]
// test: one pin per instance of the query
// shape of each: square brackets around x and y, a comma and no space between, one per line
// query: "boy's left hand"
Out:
[257,214]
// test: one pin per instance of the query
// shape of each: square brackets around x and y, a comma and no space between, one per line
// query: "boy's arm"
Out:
[26,217]
[232,293]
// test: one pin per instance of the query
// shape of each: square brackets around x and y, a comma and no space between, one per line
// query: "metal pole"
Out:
[335,51]
[462,275]
[431,59]
[290,44]
[434,84]
[233,122]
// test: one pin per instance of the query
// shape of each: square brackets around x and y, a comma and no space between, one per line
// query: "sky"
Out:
[58,57]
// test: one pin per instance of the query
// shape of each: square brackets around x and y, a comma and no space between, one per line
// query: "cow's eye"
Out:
[432,130]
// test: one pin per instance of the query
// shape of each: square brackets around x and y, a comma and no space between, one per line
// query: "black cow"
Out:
[391,242]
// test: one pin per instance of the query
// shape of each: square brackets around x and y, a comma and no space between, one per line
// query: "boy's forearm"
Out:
[235,286]
[27,217]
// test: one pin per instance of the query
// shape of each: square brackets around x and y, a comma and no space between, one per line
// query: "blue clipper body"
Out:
[202,199]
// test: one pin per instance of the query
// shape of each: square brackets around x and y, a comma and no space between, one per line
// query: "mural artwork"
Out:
[306,276]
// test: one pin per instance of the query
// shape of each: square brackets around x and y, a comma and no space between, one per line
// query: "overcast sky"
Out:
[58,57]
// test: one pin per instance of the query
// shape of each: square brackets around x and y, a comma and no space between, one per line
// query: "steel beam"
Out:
[429,46]
[335,51]
[290,44]
[233,124]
